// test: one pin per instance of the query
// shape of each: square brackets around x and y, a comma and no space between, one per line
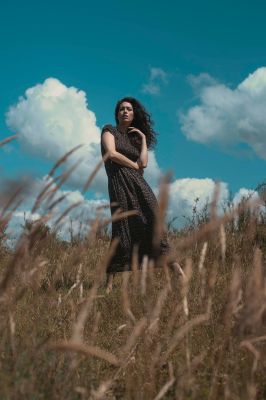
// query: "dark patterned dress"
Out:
[128,188]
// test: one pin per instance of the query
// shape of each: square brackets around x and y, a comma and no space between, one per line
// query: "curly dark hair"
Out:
[142,121]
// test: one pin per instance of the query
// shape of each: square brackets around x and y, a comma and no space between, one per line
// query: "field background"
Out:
[158,335]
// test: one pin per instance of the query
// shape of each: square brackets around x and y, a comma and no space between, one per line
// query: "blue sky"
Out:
[112,49]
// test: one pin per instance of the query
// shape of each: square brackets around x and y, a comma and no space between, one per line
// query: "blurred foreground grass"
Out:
[157,335]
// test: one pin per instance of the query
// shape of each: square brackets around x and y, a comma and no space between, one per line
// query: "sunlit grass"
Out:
[157,335]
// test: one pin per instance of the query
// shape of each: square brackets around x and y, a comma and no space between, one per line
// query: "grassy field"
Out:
[157,335]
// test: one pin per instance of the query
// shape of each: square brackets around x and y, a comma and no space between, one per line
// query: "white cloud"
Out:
[245,193]
[229,116]
[85,212]
[158,73]
[157,78]
[16,224]
[52,119]
[184,192]
[151,88]
[203,79]
[152,173]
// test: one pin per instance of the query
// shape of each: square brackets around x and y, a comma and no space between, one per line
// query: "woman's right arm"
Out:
[108,141]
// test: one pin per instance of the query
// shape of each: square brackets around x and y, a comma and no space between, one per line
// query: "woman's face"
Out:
[125,114]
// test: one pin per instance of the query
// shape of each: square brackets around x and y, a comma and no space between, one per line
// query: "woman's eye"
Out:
[125,108]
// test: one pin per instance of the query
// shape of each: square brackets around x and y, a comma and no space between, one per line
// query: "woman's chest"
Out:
[124,146]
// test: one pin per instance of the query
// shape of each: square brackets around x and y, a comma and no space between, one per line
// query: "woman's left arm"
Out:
[143,158]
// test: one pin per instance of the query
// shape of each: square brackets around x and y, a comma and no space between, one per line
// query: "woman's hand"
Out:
[132,129]
[143,158]
[138,167]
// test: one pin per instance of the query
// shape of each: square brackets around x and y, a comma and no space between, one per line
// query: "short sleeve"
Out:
[109,128]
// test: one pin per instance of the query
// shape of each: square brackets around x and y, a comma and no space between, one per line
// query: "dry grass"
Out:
[158,335]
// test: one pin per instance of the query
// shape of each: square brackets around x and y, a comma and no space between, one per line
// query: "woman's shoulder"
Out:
[109,128]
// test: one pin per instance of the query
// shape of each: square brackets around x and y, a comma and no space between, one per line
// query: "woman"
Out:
[128,143]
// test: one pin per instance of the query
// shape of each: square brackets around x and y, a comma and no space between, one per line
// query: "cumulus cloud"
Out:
[203,79]
[245,193]
[78,219]
[50,120]
[228,116]
[152,173]
[157,78]
[185,193]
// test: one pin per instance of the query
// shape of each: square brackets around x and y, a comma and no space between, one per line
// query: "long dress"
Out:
[128,188]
